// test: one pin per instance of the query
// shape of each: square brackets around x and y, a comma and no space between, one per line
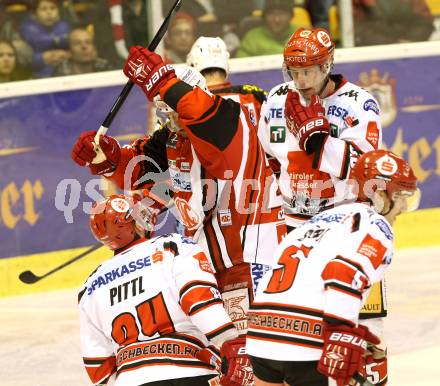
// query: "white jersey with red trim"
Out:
[150,313]
[309,188]
[325,270]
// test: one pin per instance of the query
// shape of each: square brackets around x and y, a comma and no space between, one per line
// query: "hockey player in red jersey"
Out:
[304,323]
[153,314]
[223,187]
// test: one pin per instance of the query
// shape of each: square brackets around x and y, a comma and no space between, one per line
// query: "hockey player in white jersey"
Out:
[304,323]
[315,126]
[153,314]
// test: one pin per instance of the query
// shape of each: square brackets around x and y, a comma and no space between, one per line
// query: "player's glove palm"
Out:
[83,152]
[147,70]
[305,122]
[343,353]
[236,366]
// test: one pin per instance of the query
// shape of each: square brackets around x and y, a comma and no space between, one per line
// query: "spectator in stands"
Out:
[391,21]
[9,31]
[48,37]
[118,25]
[180,37]
[83,55]
[10,70]
[319,12]
[269,38]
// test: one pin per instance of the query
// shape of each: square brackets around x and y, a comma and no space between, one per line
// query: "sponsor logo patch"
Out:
[370,104]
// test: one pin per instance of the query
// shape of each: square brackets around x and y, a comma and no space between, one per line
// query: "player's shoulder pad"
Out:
[361,99]
[84,286]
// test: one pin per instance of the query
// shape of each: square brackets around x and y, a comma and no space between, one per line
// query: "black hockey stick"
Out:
[28,277]
[127,88]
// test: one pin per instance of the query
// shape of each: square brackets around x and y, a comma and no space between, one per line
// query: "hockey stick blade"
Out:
[28,277]
[127,88]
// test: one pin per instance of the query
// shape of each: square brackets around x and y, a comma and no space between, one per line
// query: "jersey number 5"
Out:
[153,316]
[282,278]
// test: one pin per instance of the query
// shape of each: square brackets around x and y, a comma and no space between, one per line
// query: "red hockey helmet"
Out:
[118,220]
[308,47]
[383,170]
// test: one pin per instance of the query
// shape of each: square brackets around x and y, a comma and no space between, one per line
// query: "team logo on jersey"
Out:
[204,265]
[350,94]
[251,113]
[277,134]
[225,217]
[187,216]
[373,249]
[383,89]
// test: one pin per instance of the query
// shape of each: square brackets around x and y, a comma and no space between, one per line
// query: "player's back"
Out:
[137,300]
[292,300]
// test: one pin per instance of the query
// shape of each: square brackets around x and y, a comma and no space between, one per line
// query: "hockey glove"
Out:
[83,152]
[306,122]
[236,366]
[376,366]
[343,353]
[147,70]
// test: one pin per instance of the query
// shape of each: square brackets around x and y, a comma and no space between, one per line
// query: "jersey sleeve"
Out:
[263,128]
[198,294]
[363,134]
[97,351]
[213,124]
[349,276]
[143,163]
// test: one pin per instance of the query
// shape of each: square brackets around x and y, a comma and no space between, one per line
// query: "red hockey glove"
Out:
[83,152]
[147,70]
[376,366]
[236,366]
[305,122]
[343,352]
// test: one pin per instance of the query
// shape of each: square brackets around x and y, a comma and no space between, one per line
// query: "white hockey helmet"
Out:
[208,52]
[165,114]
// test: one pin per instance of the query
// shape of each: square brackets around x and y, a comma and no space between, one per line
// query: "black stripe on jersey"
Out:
[170,361]
[196,308]
[332,319]
[356,293]
[218,332]
[187,338]
[197,283]
[345,161]
[176,92]
[289,339]
[265,306]
[81,293]
[219,129]
[94,362]
[355,265]
[356,222]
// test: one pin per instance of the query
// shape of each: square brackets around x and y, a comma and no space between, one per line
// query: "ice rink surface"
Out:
[39,343]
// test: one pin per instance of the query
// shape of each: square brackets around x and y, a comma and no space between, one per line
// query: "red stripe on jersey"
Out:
[100,369]
[195,296]
[220,330]
[339,271]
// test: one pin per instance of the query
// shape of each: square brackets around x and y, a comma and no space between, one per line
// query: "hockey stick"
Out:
[28,277]
[100,157]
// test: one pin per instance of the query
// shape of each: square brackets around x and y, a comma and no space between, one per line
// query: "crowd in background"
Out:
[44,38]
